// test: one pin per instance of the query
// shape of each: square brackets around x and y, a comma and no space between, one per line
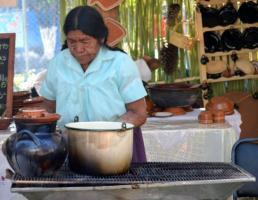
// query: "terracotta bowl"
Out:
[205,117]
[21,95]
[5,122]
[221,103]
[33,101]
[175,110]
[219,116]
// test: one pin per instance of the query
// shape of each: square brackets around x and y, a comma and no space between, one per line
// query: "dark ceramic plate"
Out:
[211,42]
[227,15]
[248,12]
[250,38]
[209,16]
[214,76]
[231,39]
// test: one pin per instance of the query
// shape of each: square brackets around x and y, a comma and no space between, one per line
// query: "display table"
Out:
[182,138]
[188,141]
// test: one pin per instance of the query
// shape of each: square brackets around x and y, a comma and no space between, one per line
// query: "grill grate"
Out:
[139,173]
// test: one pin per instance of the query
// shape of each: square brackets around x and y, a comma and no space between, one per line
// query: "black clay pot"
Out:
[35,154]
[250,38]
[231,39]
[35,127]
[209,16]
[248,12]
[174,95]
[212,42]
[227,14]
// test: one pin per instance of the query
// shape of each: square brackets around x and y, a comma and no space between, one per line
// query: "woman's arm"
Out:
[136,113]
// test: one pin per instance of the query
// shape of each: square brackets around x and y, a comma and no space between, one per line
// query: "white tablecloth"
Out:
[182,138]
[234,120]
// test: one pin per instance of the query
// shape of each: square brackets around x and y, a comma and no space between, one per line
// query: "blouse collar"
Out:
[103,55]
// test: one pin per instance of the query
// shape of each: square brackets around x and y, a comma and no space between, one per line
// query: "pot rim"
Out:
[174,86]
[91,126]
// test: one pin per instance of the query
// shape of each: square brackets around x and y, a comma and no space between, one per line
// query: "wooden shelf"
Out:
[233,78]
[242,51]
[248,54]
[237,26]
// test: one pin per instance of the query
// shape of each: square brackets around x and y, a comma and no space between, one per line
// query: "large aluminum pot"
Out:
[102,148]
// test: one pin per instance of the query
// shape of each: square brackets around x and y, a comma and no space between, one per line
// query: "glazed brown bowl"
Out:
[218,116]
[205,117]
[221,103]
[174,94]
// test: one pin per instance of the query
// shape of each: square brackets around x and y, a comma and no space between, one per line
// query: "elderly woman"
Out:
[93,81]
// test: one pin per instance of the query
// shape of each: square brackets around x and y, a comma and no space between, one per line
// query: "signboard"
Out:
[7,48]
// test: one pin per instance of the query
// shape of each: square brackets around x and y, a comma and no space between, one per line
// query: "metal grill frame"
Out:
[151,173]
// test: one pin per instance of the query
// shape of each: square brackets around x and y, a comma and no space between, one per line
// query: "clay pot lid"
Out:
[33,100]
[35,115]
[176,110]
[32,112]
[221,103]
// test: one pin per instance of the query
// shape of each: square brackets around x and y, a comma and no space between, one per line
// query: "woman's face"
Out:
[83,47]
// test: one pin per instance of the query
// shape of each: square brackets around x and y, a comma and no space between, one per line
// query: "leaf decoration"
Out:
[116,31]
[104,4]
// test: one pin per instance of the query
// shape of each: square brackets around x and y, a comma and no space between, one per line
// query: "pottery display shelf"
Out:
[246,54]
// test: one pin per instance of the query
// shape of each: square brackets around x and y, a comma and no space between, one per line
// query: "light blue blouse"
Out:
[98,94]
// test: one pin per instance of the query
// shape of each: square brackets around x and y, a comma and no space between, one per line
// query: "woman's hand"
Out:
[136,113]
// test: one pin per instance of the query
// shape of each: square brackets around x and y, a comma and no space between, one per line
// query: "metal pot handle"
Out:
[123,126]
[76,119]
[31,135]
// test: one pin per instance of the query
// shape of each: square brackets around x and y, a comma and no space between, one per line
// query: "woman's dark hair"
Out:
[89,21]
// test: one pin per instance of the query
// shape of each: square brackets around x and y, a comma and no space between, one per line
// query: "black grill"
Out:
[139,173]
